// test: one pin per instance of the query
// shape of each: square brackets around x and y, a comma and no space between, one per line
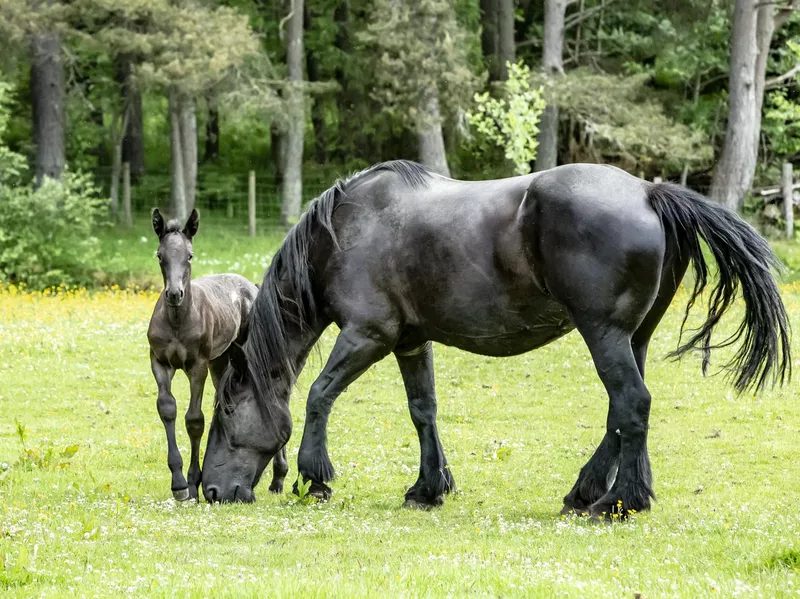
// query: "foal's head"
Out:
[175,254]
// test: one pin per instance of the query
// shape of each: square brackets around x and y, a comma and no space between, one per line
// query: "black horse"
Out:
[398,257]
[193,325]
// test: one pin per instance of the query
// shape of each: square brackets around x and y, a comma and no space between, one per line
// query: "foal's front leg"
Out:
[435,478]
[167,410]
[195,422]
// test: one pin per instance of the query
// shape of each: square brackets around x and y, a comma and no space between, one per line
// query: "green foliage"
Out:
[782,123]
[623,122]
[511,121]
[418,47]
[47,234]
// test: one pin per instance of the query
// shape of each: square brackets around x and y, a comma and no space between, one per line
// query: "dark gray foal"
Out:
[193,325]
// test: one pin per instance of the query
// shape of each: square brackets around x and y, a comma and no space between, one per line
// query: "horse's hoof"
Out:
[276,488]
[415,504]
[573,512]
[183,494]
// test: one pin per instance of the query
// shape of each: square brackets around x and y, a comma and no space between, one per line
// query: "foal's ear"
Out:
[190,230]
[158,223]
[238,359]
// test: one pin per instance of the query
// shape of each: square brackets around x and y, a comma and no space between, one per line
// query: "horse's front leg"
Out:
[435,479]
[195,422]
[355,350]
[167,410]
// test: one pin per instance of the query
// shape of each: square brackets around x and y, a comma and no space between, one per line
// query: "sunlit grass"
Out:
[74,371]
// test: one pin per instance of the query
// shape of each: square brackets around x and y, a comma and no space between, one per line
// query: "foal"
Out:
[193,325]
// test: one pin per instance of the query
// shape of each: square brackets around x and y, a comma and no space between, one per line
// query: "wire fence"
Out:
[222,194]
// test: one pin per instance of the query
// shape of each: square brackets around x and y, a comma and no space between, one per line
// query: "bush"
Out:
[46,235]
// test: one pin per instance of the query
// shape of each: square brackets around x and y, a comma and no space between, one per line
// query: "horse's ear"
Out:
[190,230]
[238,359]
[158,223]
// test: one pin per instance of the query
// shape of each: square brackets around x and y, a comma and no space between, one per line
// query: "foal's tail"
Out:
[744,259]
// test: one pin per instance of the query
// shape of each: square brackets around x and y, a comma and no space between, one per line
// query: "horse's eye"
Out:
[159,257]
[190,257]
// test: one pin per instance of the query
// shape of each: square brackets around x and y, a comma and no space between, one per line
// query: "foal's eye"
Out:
[190,257]
[159,257]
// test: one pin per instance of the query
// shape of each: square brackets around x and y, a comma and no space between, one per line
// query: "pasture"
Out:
[86,508]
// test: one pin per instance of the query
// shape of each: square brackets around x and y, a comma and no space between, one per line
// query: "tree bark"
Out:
[293,173]
[133,142]
[318,101]
[47,89]
[188,124]
[506,42]
[490,40]
[212,133]
[178,195]
[736,166]
[553,64]
[429,134]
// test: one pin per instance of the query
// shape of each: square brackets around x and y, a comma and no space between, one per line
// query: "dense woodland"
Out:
[192,94]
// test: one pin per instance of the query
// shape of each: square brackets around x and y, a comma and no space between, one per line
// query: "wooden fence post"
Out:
[126,195]
[788,200]
[251,204]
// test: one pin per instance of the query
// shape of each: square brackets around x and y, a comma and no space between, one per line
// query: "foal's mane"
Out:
[285,303]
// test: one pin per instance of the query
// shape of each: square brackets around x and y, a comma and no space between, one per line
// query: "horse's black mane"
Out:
[285,302]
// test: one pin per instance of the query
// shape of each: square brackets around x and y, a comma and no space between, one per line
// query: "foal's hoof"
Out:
[417,503]
[184,494]
[276,487]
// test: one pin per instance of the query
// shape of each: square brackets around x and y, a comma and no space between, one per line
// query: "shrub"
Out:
[46,235]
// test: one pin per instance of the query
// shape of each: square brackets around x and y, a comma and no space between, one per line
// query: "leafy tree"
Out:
[510,122]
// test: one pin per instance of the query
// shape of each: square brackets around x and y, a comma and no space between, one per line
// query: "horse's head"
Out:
[175,255]
[243,436]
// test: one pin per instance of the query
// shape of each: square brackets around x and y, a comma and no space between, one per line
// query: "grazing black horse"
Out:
[192,327]
[398,257]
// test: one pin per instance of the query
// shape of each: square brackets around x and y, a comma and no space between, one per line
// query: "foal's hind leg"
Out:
[195,422]
[168,410]
[355,350]
[280,467]
[435,478]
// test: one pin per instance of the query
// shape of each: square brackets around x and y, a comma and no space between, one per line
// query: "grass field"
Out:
[86,508]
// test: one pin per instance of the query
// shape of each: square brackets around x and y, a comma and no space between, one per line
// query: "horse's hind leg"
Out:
[435,478]
[597,476]
[355,350]
[168,410]
[280,467]
[195,422]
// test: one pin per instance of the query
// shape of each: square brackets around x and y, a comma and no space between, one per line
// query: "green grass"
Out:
[516,431]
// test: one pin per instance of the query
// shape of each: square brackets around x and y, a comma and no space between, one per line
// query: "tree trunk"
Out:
[736,166]
[47,89]
[127,216]
[212,133]
[429,135]
[318,100]
[553,64]
[133,143]
[293,174]
[490,40]
[188,124]
[506,42]
[178,195]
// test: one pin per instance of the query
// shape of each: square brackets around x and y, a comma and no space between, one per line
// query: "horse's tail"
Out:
[744,259]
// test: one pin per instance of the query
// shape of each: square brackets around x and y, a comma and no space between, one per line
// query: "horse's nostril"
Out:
[211,493]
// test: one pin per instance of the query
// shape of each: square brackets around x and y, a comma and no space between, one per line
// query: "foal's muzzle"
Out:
[175,297]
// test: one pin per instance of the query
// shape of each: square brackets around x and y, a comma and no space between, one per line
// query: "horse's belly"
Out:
[495,333]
